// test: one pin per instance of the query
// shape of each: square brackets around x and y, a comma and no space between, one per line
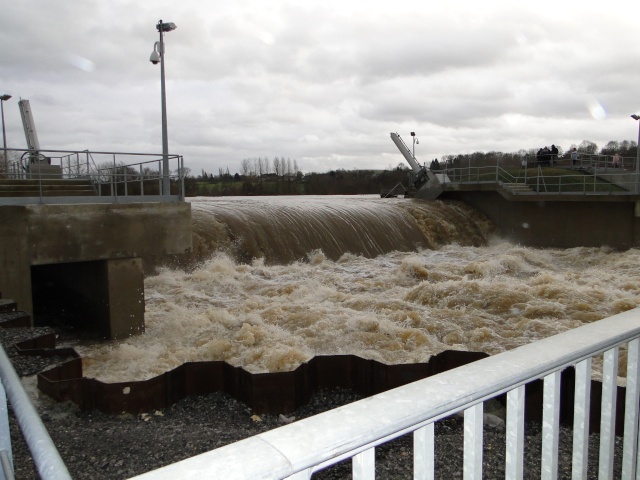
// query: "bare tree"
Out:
[588,147]
[289,168]
[260,166]
[245,167]
[277,166]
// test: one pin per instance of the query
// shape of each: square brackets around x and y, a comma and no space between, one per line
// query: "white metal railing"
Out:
[45,455]
[353,431]
[115,176]
[591,180]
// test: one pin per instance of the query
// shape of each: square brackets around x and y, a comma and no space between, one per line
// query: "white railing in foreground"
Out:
[297,450]
[45,456]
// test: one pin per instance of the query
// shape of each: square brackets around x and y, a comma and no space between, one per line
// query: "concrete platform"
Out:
[96,250]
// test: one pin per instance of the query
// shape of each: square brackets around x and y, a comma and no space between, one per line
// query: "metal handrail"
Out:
[45,455]
[111,173]
[590,178]
[297,450]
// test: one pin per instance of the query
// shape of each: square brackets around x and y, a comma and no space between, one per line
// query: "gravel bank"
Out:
[99,446]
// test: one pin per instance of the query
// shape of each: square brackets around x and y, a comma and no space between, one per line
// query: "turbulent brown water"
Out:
[283,279]
[286,229]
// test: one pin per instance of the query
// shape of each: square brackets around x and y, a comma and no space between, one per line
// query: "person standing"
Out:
[554,154]
[616,161]
[574,156]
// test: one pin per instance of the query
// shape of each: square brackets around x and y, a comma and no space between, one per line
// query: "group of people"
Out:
[546,155]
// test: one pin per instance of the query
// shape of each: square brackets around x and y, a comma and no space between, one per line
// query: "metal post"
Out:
[114,183]
[4,98]
[165,140]
[637,117]
[5,436]
[141,182]
[181,163]
[472,456]
[45,455]
[638,162]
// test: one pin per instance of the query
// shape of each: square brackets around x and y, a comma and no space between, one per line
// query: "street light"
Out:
[637,117]
[157,56]
[3,98]
[415,140]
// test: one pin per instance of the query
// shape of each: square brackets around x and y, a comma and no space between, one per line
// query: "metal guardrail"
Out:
[297,450]
[589,175]
[115,176]
[46,458]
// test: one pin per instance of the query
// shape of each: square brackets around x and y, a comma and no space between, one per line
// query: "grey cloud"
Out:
[321,82]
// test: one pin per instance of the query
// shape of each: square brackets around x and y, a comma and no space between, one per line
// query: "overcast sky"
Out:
[323,82]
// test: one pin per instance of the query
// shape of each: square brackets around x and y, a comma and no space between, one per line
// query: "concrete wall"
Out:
[559,221]
[118,237]
[15,271]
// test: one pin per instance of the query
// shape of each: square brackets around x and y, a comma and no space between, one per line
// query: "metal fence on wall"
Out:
[113,176]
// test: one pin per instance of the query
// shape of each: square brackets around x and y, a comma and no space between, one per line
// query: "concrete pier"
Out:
[95,250]
[555,220]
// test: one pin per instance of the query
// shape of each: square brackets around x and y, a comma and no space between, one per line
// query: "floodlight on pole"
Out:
[157,56]
[3,98]
[637,117]
[415,141]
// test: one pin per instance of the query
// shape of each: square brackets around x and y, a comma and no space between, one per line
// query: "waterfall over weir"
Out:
[339,291]
[277,281]
[286,229]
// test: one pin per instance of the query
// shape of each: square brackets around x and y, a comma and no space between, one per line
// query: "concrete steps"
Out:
[50,188]
[11,317]
[7,305]
[517,188]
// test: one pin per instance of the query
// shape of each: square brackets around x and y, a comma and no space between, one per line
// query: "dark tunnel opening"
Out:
[69,298]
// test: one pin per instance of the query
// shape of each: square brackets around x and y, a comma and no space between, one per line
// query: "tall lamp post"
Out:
[157,56]
[637,117]
[415,140]
[3,98]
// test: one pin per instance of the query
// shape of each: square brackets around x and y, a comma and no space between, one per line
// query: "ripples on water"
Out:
[455,287]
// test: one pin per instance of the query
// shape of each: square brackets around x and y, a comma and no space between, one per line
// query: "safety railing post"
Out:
[424,446]
[550,425]
[182,192]
[114,185]
[141,181]
[364,465]
[632,401]
[581,407]
[39,184]
[5,435]
[608,413]
[473,422]
[515,434]
[46,458]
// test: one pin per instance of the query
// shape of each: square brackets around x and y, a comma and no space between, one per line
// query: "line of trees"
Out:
[280,167]
[282,175]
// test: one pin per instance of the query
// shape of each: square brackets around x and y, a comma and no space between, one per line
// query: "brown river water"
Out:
[276,281]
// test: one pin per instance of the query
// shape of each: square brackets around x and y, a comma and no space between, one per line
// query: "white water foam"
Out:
[398,307]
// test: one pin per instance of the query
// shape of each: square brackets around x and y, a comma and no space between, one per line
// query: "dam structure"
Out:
[559,202]
[79,229]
